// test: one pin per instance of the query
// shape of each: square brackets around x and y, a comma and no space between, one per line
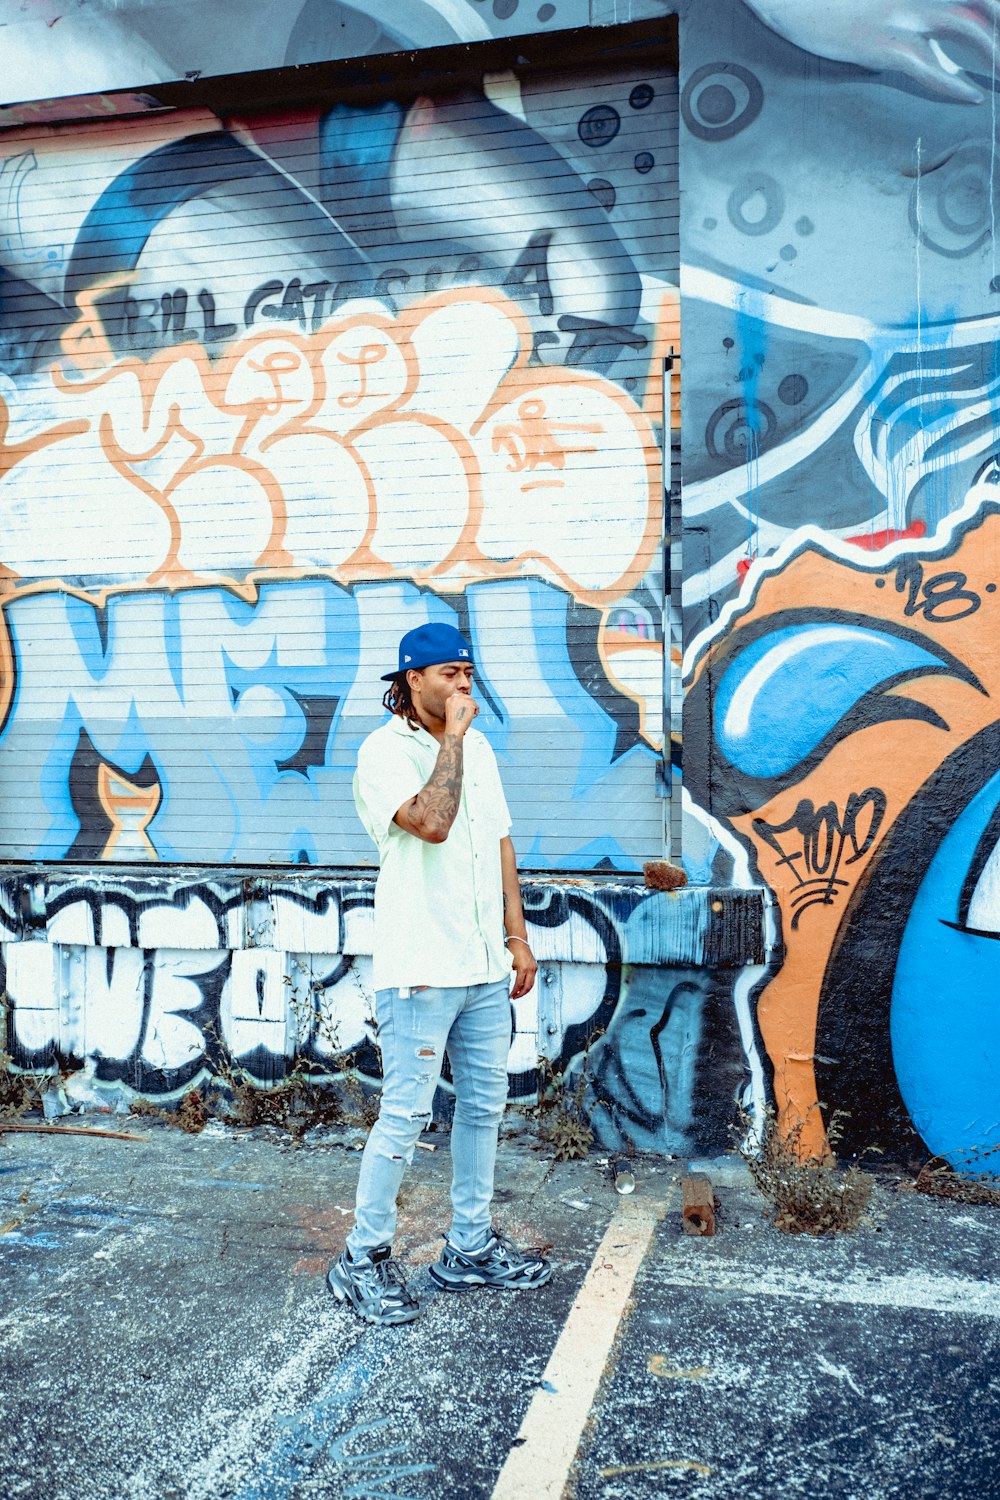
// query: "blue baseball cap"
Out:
[428,646]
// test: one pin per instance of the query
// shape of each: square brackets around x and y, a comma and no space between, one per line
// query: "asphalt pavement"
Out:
[165,1333]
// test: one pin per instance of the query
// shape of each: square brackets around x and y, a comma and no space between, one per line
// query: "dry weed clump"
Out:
[19,1091]
[193,1112]
[311,1094]
[145,1109]
[962,1184]
[561,1111]
[306,1098]
[808,1195]
[571,1137]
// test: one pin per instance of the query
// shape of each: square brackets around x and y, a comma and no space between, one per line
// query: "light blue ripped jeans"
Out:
[473,1023]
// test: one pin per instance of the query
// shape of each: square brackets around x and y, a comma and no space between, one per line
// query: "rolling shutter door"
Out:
[280,387]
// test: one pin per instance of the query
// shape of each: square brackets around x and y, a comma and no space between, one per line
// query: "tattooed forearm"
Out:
[435,807]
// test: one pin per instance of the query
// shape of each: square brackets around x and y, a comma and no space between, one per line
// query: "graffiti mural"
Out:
[257,760]
[274,387]
[451,401]
[273,390]
[277,384]
[157,983]
[859,746]
[822,393]
[840,544]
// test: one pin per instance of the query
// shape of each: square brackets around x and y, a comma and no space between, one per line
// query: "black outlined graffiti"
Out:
[940,598]
[819,839]
[161,982]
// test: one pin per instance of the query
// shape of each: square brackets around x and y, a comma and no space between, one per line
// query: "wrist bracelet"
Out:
[510,938]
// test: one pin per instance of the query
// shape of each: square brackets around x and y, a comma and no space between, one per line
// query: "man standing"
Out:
[428,791]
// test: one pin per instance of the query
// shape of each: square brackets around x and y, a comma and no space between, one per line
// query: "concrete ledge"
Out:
[576,920]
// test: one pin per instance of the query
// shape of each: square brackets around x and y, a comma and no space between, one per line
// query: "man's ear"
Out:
[413,676]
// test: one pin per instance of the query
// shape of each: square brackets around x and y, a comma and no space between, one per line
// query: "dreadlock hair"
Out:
[398,699]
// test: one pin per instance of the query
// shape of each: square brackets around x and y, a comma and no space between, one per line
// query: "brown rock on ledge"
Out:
[661,875]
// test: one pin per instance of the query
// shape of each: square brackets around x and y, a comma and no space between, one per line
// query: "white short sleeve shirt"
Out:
[438,907]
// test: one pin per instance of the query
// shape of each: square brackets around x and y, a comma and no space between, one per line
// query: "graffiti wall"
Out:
[147,987]
[840,550]
[276,388]
[277,385]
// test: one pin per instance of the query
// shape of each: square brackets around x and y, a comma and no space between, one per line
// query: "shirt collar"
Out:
[400,726]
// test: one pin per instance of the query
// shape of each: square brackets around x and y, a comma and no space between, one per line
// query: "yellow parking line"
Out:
[546,1444]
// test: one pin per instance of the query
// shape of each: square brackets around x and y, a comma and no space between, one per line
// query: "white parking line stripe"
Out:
[916,1289]
[549,1436]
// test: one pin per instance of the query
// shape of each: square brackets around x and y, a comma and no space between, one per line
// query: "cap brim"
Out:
[438,662]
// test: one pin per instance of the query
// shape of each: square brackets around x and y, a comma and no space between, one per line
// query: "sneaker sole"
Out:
[471,1282]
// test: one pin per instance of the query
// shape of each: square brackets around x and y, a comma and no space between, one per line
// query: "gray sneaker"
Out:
[498,1263]
[373,1286]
